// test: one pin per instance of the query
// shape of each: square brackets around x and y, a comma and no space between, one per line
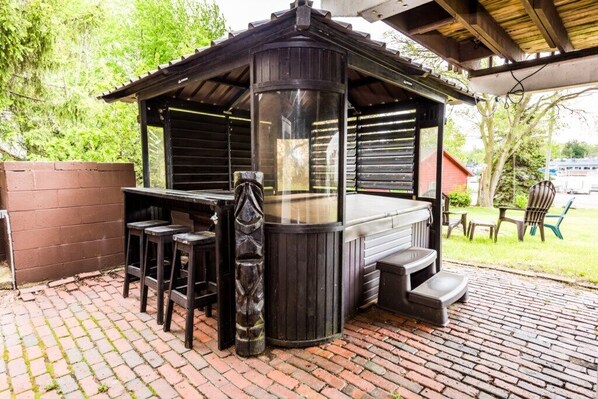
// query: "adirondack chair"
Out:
[556,227]
[540,199]
[447,220]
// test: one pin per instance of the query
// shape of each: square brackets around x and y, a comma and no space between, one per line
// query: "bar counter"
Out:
[204,208]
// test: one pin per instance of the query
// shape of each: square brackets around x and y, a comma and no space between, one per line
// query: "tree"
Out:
[521,171]
[575,149]
[505,129]
[76,49]
[454,140]
[26,41]
[185,25]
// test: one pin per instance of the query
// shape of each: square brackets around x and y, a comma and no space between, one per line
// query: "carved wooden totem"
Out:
[249,263]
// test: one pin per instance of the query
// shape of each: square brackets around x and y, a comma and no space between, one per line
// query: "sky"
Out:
[239,13]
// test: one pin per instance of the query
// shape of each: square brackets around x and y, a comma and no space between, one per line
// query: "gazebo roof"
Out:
[218,75]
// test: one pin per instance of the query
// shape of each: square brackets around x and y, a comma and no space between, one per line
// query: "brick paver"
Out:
[517,337]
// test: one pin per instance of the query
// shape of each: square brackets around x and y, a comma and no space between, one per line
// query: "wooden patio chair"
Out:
[452,222]
[556,227]
[540,199]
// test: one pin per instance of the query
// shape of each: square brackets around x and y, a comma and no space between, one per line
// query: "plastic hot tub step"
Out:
[408,261]
[440,291]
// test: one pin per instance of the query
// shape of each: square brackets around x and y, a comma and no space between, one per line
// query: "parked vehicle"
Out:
[578,185]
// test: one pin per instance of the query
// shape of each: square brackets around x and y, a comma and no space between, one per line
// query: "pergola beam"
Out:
[480,23]
[430,26]
[546,17]
[454,52]
[426,18]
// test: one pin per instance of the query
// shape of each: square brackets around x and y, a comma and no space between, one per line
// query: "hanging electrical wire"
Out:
[518,88]
[492,111]
[513,96]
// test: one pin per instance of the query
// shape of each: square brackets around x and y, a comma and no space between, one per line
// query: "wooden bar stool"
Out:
[134,263]
[194,291]
[153,275]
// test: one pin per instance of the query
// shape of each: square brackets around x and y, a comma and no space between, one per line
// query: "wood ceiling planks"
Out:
[516,30]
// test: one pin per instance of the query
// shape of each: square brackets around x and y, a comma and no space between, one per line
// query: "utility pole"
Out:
[549,145]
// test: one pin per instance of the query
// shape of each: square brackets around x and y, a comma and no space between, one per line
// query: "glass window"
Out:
[428,154]
[157,163]
[298,151]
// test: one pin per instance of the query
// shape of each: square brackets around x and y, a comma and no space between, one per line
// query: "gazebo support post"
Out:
[250,337]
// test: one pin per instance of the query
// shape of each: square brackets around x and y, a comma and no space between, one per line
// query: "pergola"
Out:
[545,44]
[336,122]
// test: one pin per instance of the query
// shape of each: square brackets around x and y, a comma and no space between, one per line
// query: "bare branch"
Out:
[25,96]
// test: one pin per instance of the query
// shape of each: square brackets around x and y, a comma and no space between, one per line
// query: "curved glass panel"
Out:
[298,150]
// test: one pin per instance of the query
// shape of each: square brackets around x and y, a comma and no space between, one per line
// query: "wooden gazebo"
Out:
[336,123]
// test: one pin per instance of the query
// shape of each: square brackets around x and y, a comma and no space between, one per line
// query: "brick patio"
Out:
[516,338]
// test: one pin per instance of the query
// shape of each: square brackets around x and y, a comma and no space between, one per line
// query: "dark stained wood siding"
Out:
[353,275]
[305,63]
[207,149]
[303,282]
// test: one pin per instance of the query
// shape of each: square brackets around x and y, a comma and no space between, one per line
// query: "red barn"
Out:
[454,173]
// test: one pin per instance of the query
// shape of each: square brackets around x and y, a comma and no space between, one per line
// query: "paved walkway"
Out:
[516,338]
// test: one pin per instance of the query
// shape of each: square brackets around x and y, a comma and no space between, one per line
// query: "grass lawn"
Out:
[575,256]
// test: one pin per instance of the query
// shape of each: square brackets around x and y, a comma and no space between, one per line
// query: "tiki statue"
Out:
[249,263]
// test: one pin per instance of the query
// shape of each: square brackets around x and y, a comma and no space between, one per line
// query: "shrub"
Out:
[521,200]
[459,199]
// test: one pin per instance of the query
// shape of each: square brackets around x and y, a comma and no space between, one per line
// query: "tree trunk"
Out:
[485,196]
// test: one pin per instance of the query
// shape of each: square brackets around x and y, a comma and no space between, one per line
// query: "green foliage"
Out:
[459,199]
[155,138]
[521,201]
[25,46]
[396,395]
[51,386]
[575,149]
[475,155]
[184,26]
[454,140]
[520,172]
[56,56]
